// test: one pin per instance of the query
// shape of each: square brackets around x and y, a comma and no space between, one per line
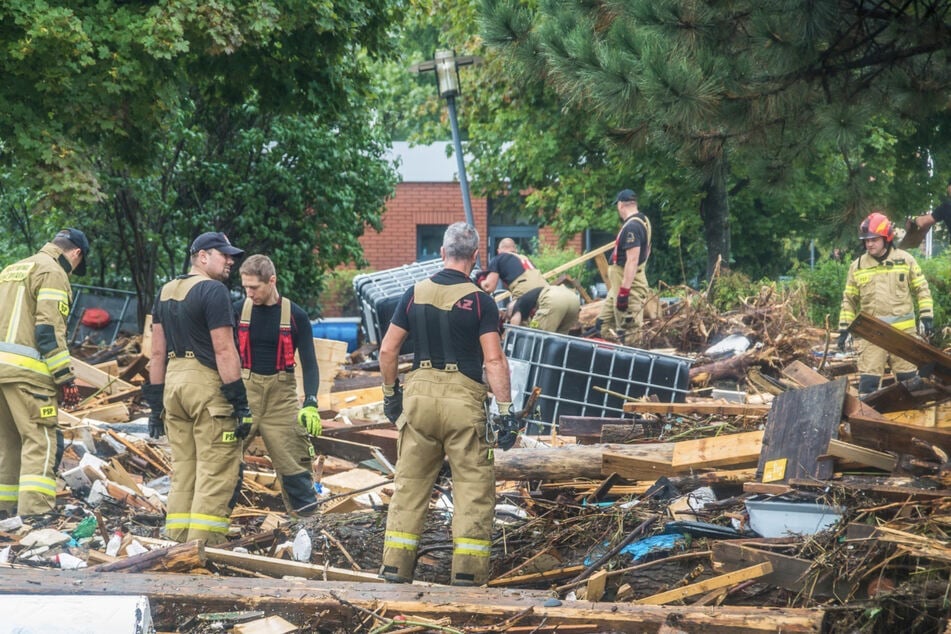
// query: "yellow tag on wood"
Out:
[774,470]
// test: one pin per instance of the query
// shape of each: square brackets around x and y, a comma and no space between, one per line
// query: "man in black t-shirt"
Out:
[941,213]
[623,308]
[270,329]
[455,332]
[195,376]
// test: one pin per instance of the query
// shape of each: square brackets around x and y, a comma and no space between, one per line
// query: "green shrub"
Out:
[937,271]
[824,285]
[730,288]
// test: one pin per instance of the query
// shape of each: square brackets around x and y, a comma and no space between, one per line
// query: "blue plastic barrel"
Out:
[339,329]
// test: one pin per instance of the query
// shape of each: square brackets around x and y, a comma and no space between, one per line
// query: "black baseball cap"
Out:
[215,240]
[80,241]
[625,196]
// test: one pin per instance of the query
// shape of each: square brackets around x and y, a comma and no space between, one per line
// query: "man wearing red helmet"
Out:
[882,282]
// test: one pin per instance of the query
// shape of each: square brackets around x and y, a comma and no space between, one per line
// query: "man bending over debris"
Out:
[270,329]
[34,363]
[536,303]
[455,330]
[195,374]
[882,282]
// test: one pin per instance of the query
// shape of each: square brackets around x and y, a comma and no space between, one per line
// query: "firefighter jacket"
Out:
[35,295]
[885,289]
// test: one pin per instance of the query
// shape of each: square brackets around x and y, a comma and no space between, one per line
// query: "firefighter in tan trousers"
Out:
[270,329]
[623,308]
[34,365]
[195,375]
[884,282]
[441,413]
[552,308]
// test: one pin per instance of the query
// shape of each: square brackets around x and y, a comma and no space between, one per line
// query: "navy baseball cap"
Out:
[79,240]
[625,196]
[215,240]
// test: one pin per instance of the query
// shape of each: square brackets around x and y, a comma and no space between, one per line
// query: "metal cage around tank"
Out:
[379,292]
[568,369]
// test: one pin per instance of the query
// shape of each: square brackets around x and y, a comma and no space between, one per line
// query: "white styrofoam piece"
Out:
[90,614]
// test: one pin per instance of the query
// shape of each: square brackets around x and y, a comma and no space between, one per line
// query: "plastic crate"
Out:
[379,293]
[568,369]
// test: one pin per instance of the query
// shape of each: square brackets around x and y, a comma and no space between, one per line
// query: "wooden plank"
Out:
[862,455]
[906,346]
[174,598]
[331,354]
[729,450]
[708,409]
[594,589]
[336,401]
[95,377]
[807,377]
[723,581]
[111,413]
[798,431]
[788,572]
[587,425]
[346,449]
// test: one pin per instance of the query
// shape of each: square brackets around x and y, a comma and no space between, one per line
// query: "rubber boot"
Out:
[868,383]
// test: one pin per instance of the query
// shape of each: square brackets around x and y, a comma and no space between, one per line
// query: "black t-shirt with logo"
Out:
[188,323]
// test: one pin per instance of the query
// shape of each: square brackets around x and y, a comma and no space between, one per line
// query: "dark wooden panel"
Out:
[799,427]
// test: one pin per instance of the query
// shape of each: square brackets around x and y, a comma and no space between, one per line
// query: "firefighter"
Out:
[270,329]
[623,308]
[454,330]
[34,367]
[195,377]
[884,282]
[536,303]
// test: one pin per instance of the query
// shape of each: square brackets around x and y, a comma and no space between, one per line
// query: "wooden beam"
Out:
[900,343]
[178,558]
[95,377]
[723,581]
[176,597]
[707,409]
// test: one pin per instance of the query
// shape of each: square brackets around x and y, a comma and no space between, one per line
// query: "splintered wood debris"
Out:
[793,506]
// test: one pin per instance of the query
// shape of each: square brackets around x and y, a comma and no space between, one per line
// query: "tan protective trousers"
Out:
[558,310]
[634,317]
[206,456]
[28,441]
[873,360]
[443,415]
[273,402]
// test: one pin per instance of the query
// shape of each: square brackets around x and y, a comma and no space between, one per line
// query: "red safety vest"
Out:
[285,344]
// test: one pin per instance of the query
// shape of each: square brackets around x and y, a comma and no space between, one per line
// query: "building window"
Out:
[525,236]
[428,241]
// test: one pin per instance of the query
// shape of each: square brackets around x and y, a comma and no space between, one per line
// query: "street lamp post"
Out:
[446,65]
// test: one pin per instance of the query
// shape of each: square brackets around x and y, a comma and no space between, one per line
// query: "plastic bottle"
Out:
[115,542]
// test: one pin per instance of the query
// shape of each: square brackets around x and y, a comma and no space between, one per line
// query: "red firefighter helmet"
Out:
[877,226]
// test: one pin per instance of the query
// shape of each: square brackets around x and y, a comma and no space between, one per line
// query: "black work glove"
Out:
[237,395]
[392,401]
[69,395]
[243,428]
[508,428]
[843,336]
[926,327]
[154,395]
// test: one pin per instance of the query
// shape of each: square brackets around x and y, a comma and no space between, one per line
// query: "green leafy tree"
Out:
[732,92]
[145,123]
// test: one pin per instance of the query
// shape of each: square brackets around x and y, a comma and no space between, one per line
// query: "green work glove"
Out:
[309,417]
